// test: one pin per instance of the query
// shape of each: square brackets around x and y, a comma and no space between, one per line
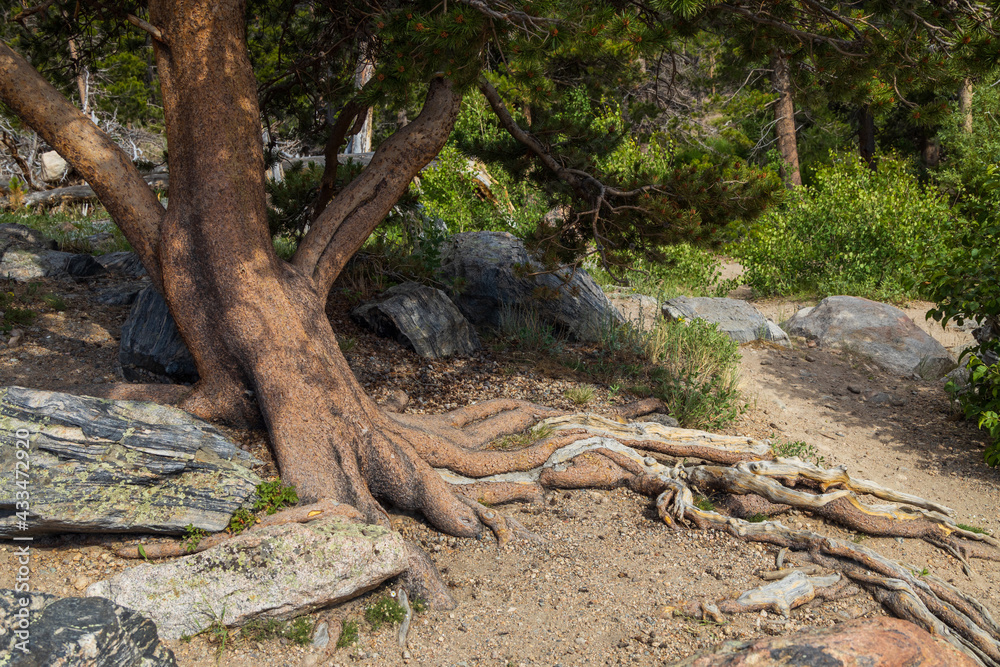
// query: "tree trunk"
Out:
[257,324]
[866,136]
[965,105]
[784,122]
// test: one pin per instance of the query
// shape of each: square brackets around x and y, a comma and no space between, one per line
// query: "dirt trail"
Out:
[594,592]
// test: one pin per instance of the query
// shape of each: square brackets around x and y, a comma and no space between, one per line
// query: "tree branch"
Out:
[153,31]
[572,177]
[350,218]
[118,184]
[346,124]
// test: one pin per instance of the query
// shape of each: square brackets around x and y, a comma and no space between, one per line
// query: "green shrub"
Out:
[273,496]
[684,270]
[691,366]
[696,373]
[962,280]
[857,232]
[298,631]
[240,521]
[348,634]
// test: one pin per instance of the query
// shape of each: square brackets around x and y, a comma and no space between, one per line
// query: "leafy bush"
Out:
[684,269]
[298,631]
[857,232]
[273,496]
[348,634]
[962,280]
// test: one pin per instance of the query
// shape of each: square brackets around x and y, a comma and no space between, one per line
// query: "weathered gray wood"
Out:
[85,632]
[96,465]
[76,194]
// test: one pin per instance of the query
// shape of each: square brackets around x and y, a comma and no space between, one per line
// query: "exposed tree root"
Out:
[591,451]
[300,514]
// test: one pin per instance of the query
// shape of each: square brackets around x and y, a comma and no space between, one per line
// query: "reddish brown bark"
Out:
[784,122]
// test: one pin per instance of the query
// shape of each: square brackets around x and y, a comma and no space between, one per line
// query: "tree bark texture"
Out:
[784,122]
[965,105]
[866,136]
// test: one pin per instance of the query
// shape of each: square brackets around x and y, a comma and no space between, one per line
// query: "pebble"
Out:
[81,583]
[854,389]
[321,638]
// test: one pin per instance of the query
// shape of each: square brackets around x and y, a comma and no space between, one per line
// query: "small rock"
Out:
[897,401]
[661,418]
[80,583]
[810,358]
[310,660]
[881,398]
[854,389]
[321,637]
[14,341]
[406,655]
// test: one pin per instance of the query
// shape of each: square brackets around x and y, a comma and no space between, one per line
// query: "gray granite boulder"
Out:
[116,466]
[737,319]
[14,234]
[275,572]
[421,318]
[876,330]
[491,271]
[151,348]
[25,265]
[82,632]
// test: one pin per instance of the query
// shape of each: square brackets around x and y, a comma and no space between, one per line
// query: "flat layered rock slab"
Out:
[735,318]
[97,465]
[83,632]
[876,330]
[275,572]
[421,318]
[883,642]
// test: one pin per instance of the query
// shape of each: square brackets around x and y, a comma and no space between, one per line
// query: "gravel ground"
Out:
[594,590]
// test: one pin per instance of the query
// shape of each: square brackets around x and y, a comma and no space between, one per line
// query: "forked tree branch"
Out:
[118,184]
[350,218]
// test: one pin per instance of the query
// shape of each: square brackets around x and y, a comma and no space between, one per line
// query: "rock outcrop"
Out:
[83,632]
[876,330]
[151,348]
[880,642]
[735,318]
[116,466]
[494,273]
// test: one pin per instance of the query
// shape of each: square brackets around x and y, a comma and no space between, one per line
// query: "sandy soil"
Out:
[594,592]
